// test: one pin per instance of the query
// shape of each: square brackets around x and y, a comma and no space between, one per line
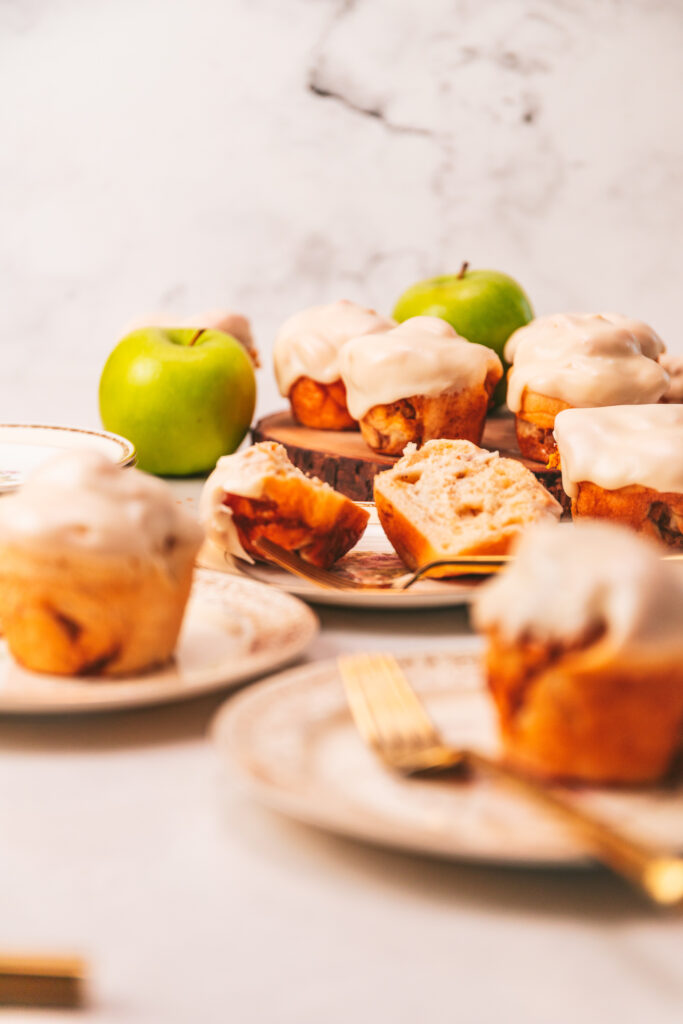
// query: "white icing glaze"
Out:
[81,500]
[619,445]
[567,580]
[422,356]
[586,360]
[308,343]
[673,364]
[244,474]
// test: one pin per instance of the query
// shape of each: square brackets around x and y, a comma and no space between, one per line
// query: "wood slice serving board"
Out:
[342,459]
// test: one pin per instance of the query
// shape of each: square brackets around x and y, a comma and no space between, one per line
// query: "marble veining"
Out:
[174,156]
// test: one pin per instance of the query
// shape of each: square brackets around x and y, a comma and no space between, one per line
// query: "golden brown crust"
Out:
[534,442]
[419,418]
[81,615]
[413,547]
[321,406]
[534,424]
[450,498]
[656,514]
[582,714]
[317,522]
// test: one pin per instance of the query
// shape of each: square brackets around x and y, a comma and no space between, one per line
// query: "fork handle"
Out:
[658,874]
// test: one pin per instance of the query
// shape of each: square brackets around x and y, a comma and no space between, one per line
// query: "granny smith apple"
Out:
[483,306]
[183,396]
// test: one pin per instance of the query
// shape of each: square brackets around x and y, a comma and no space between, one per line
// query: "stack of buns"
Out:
[342,366]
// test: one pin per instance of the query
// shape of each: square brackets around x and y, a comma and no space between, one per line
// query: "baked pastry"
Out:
[95,568]
[306,360]
[451,498]
[578,360]
[259,493]
[673,364]
[585,654]
[418,382]
[227,320]
[625,462]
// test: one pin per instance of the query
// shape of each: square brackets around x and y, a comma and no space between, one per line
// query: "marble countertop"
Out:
[124,840]
[168,155]
[173,157]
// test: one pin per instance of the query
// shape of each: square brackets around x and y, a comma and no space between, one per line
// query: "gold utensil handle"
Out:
[54,981]
[474,565]
[659,875]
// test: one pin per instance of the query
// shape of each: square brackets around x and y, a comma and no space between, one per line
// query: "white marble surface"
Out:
[124,841]
[180,154]
[173,154]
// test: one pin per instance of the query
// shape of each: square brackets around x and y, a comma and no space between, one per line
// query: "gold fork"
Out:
[468,565]
[392,720]
[42,980]
[291,562]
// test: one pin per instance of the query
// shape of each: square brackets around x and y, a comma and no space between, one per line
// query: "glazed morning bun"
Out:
[306,360]
[673,364]
[450,498]
[585,654]
[259,493]
[577,361]
[417,382]
[625,462]
[95,568]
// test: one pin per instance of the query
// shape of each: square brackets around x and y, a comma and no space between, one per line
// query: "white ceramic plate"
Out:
[234,630]
[373,549]
[292,740]
[24,448]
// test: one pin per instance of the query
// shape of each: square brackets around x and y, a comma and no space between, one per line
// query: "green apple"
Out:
[183,396]
[483,306]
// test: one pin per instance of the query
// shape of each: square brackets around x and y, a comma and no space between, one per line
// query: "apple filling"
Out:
[667,524]
[320,406]
[320,545]
[656,514]
[515,668]
[535,443]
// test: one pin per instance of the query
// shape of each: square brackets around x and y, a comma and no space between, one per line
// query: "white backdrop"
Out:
[176,154]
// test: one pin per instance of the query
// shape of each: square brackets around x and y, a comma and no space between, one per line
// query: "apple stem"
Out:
[463,270]
[196,335]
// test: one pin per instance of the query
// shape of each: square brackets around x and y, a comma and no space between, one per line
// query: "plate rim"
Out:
[259,667]
[390,600]
[296,806]
[128,456]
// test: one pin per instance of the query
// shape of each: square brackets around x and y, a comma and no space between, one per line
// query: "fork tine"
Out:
[295,564]
[467,565]
[379,711]
[387,713]
[416,724]
[353,675]
[385,699]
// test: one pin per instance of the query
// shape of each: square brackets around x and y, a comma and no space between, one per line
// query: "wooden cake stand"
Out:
[342,459]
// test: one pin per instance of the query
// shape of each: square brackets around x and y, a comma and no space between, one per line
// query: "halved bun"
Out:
[452,498]
[258,493]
